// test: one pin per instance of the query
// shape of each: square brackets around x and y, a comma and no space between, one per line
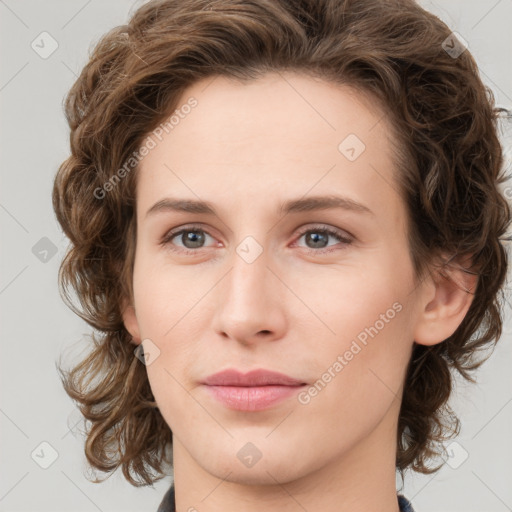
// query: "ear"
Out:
[130,321]
[449,294]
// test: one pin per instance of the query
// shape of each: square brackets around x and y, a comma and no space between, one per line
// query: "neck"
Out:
[359,480]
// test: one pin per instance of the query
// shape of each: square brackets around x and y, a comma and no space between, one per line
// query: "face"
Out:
[274,277]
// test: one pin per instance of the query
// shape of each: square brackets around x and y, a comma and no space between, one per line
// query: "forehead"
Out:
[283,134]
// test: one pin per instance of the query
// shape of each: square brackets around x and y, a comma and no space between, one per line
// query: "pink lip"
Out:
[254,391]
[260,377]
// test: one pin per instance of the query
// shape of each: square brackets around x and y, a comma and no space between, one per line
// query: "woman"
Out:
[286,223]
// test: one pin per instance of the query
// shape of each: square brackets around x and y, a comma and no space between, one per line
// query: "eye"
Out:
[317,239]
[192,238]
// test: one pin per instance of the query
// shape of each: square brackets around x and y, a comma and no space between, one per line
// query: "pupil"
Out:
[317,239]
[194,237]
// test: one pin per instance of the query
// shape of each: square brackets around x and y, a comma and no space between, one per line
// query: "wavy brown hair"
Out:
[449,166]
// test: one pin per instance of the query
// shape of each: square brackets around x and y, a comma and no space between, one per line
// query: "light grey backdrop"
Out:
[44,45]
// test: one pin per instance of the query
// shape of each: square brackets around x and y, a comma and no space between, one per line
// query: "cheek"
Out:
[353,303]
[171,311]
[165,296]
[366,349]
[360,375]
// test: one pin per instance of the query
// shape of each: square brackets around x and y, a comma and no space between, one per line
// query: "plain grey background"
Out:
[37,327]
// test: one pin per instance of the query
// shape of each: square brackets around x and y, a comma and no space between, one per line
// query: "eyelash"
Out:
[321,229]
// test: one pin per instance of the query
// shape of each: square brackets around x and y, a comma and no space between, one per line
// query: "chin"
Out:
[228,464]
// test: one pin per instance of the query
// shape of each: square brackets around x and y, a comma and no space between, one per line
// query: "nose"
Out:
[251,302]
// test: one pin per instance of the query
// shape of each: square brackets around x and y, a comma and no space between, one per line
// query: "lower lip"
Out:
[254,398]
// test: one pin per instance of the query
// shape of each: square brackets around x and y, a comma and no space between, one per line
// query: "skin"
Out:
[247,148]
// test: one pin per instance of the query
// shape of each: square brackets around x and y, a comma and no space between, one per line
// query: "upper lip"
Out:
[260,377]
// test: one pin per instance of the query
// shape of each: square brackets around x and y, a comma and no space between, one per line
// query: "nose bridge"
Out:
[249,301]
[248,281]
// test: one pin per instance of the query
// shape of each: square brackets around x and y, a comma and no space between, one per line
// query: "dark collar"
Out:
[168,503]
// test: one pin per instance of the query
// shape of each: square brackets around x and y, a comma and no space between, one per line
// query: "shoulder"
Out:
[168,502]
[404,504]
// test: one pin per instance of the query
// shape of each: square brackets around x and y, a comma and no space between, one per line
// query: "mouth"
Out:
[253,391]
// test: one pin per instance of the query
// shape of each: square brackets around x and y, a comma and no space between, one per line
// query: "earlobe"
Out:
[455,287]
[130,322]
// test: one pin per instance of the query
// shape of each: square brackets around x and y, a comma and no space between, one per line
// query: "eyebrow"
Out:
[290,206]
